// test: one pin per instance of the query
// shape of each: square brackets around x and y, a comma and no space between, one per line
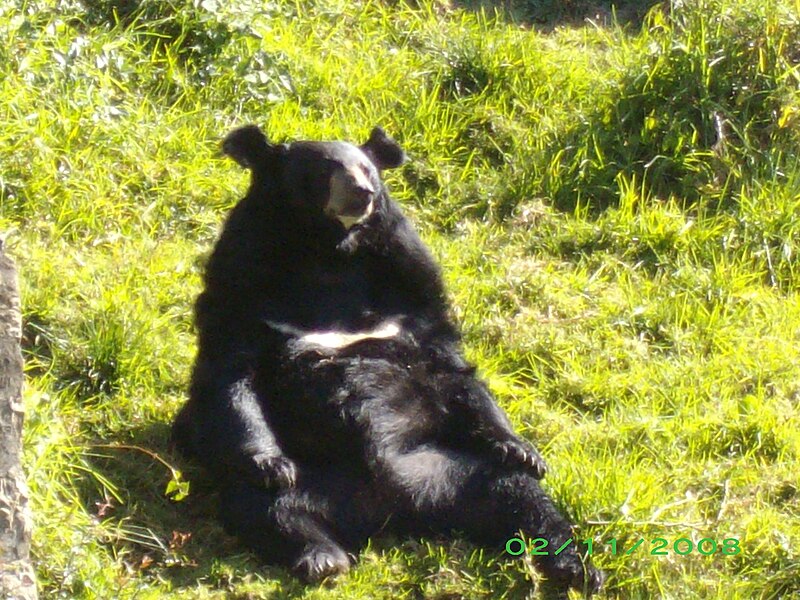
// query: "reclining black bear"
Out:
[330,396]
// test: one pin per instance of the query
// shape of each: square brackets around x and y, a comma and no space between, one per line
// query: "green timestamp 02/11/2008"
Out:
[658,546]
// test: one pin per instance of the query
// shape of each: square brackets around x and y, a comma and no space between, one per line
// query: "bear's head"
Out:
[338,180]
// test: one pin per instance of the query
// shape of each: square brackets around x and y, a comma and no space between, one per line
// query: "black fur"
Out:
[318,448]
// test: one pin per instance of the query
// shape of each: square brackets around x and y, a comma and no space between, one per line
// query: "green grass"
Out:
[616,206]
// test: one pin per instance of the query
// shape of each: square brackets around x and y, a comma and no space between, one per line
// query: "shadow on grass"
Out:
[669,131]
[182,543]
[185,27]
[549,14]
[161,539]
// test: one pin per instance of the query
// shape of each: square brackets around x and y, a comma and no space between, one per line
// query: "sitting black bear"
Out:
[330,396]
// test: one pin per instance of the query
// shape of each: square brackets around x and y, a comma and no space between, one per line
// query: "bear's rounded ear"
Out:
[248,146]
[383,150]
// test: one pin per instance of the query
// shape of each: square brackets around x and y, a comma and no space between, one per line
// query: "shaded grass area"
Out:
[546,15]
[615,209]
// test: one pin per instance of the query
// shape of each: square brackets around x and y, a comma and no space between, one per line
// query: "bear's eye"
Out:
[321,172]
[366,171]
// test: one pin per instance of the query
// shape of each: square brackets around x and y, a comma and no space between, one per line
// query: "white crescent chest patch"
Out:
[336,339]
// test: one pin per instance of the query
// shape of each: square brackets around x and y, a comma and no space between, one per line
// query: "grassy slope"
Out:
[617,212]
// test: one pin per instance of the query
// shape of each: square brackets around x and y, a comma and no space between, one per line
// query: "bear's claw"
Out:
[520,452]
[321,562]
[276,471]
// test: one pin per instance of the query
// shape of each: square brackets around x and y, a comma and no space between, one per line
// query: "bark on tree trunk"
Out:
[16,575]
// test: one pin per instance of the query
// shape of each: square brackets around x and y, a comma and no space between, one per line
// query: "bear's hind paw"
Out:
[576,575]
[321,562]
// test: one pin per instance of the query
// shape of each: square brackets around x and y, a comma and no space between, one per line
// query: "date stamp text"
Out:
[656,547]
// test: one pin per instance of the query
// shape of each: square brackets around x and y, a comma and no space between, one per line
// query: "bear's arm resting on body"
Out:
[410,265]
[478,419]
[231,426]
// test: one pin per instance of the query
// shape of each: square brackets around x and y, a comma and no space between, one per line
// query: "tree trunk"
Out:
[16,574]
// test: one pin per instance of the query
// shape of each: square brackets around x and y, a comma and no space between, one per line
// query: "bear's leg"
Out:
[451,490]
[517,503]
[307,527]
[285,528]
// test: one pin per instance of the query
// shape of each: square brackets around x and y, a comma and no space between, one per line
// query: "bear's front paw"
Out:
[355,238]
[519,452]
[322,561]
[274,471]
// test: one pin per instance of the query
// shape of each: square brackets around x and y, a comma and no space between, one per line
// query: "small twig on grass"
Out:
[149,453]
[177,488]
[772,277]
[726,488]
[651,523]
